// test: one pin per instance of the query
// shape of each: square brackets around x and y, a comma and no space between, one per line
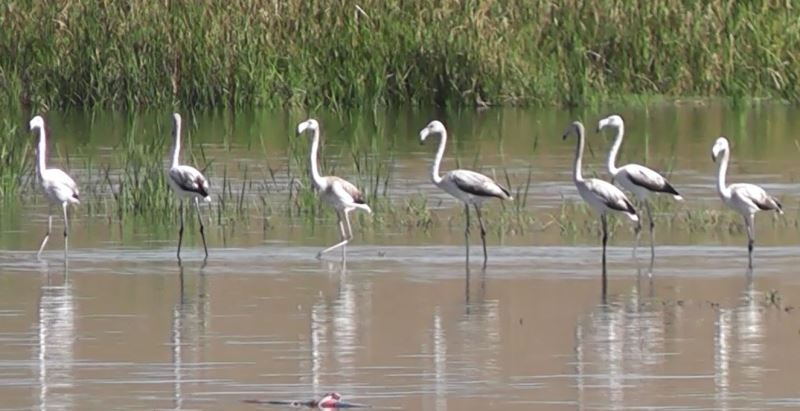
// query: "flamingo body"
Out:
[470,187]
[746,199]
[338,193]
[58,187]
[187,183]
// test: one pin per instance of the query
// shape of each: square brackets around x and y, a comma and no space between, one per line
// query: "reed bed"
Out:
[344,53]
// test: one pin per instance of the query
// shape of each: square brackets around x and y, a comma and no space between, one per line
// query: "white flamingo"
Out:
[58,187]
[339,193]
[468,186]
[186,182]
[637,179]
[746,199]
[602,196]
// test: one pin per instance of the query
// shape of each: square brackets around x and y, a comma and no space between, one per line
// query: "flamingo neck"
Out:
[41,154]
[437,162]
[722,188]
[312,164]
[576,172]
[612,155]
[176,152]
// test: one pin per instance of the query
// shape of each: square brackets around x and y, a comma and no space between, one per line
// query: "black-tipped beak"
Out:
[713,157]
[598,130]
[564,136]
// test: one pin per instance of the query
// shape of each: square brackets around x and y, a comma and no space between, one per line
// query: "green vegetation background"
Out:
[342,54]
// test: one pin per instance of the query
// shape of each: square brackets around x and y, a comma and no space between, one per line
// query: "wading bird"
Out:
[637,179]
[602,196]
[58,187]
[746,199]
[339,193]
[468,186]
[186,182]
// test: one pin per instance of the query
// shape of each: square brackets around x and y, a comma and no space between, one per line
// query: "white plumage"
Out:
[337,192]
[468,186]
[186,182]
[602,196]
[637,179]
[58,187]
[746,199]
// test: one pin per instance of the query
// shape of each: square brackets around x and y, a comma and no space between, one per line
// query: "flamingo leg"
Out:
[483,234]
[180,230]
[66,229]
[652,229]
[466,229]
[751,239]
[605,236]
[343,234]
[638,231]
[202,228]
[47,234]
[604,223]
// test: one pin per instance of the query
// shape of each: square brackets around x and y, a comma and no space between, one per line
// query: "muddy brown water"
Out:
[405,323]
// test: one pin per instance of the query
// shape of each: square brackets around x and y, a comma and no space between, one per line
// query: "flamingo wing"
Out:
[478,184]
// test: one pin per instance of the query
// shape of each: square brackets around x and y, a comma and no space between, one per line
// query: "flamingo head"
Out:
[434,127]
[308,125]
[37,123]
[610,121]
[720,146]
[574,127]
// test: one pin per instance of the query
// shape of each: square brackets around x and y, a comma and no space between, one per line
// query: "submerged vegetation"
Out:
[344,53]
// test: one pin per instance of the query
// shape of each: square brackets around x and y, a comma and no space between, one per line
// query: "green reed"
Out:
[15,162]
[346,53]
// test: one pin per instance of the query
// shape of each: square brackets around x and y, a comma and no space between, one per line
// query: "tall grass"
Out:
[346,53]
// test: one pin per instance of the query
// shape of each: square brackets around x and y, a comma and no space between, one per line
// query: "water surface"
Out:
[405,323]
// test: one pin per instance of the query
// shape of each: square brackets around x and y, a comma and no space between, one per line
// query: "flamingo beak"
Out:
[423,134]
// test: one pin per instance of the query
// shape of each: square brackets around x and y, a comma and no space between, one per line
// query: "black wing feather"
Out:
[640,180]
[766,206]
[477,191]
[626,206]
[198,186]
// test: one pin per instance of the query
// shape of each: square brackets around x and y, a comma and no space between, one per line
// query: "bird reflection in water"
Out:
[479,331]
[738,340]
[622,337]
[189,324]
[334,326]
[55,349]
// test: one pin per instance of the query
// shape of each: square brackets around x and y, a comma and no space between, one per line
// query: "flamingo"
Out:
[637,179]
[58,187]
[337,192]
[468,186]
[746,199]
[603,197]
[186,182]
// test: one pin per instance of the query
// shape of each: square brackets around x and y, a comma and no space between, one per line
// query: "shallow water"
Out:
[406,324]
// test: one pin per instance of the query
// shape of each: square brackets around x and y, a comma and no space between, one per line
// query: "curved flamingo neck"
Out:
[722,188]
[438,161]
[319,182]
[612,155]
[42,150]
[176,150]
[576,172]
